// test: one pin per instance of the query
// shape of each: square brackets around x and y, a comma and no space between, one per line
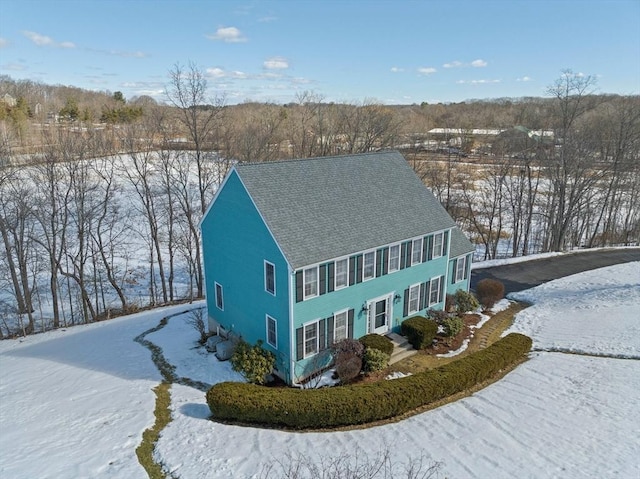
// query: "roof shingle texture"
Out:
[323,208]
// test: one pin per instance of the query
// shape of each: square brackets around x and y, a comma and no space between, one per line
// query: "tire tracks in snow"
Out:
[632,357]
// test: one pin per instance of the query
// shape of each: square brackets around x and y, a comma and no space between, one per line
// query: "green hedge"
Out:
[376,341]
[361,403]
[420,331]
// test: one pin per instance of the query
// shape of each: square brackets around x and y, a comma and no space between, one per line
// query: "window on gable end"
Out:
[270,278]
[272,332]
[219,297]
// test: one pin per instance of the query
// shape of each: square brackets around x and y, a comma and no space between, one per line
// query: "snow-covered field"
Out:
[74,403]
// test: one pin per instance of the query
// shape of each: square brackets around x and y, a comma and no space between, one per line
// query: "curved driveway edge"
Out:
[525,275]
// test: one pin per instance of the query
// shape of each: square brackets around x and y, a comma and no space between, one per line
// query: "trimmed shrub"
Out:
[375,341]
[452,326]
[253,362]
[348,346]
[489,292]
[375,360]
[348,366]
[361,403]
[465,301]
[420,331]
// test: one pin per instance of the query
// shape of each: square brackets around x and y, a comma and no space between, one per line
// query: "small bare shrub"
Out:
[348,366]
[349,346]
[195,319]
[489,291]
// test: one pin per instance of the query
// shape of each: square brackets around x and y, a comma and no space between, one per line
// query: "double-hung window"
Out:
[394,258]
[342,273]
[310,339]
[414,299]
[438,243]
[460,268]
[272,332]
[270,278]
[368,265]
[311,282]
[340,326]
[219,297]
[435,295]
[416,251]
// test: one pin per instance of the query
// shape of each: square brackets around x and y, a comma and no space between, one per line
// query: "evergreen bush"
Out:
[465,301]
[253,362]
[375,341]
[375,360]
[452,326]
[420,331]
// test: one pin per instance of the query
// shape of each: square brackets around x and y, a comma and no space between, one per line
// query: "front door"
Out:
[379,315]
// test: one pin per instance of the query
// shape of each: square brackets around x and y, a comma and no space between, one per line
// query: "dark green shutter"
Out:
[441,292]
[445,243]
[352,270]
[350,324]
[359,268]
[330,328]
[455,268]
[425,241]
[423,303]
[405,311]
[331,273]
[467,267]
[385,260]
[409,248]
[430,247]
[379,263]
[323,279]
[299,287]
[322,334]
[299,344]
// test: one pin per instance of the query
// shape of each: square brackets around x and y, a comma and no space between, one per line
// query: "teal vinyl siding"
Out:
[236,243]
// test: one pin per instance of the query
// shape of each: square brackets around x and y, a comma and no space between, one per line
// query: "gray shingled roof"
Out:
[459,244]
[323,208]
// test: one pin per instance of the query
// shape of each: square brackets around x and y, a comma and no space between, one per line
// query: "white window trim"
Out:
[462,259]
[273,293]
[215,289]
[417,289]
[346,324]
[374,265]
[413,250]
[315,322]
[389,270]
[335,274]
[433,247]
[304,282]
[275,346]
[438,298]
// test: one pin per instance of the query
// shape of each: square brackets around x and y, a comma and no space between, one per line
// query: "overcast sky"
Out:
[394,52]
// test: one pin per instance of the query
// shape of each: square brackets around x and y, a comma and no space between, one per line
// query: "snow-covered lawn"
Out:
[74,403]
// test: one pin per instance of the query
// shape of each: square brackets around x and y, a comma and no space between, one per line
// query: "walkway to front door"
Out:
[380,314]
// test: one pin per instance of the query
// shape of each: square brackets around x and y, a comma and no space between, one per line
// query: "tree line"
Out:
[96,220]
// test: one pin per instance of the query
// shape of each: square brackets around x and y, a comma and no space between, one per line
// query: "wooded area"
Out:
[101,198]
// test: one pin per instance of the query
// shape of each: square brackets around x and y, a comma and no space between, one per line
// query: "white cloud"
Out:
[3,42]
[524,78]
[457,64]
[454,64]
[479,63]
[476,82]
[228,35]
[43,40]
[219,73]
[276,63]
[16,67]
[397,69]
[426,70]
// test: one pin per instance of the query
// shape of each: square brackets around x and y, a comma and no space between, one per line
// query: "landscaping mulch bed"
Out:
[445,345]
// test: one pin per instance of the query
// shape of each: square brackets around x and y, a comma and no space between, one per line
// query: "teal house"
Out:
[303,253]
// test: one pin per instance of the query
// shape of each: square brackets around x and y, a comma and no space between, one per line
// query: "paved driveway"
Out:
[519,276]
